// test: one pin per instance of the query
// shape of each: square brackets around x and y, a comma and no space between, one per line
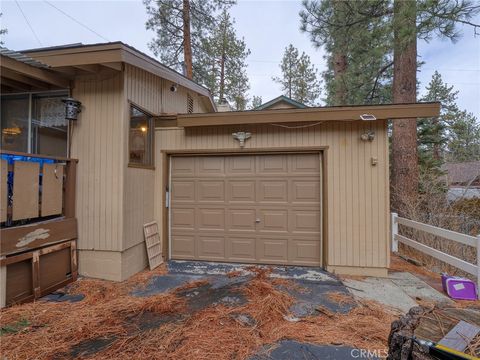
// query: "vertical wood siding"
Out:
[152,94]
[98,142]
[358,192]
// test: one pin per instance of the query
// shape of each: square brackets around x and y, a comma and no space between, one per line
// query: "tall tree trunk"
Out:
[404,133]
[339,56]
[187,39]
[222,77]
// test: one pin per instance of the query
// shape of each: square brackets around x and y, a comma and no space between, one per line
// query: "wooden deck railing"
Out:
[437,254]
[35,187]
[38,231]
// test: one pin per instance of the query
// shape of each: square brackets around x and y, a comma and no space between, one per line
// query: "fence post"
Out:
[394,231]
[478,266]
[3,284]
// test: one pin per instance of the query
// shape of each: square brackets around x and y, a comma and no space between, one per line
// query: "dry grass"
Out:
[216,332]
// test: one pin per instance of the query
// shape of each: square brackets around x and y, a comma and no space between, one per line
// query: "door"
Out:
[263,209]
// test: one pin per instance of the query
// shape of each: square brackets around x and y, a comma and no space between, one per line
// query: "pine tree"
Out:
[432,133]
[222,64]
[180,26]
[256,102]
[464,139]
[2,31]
[299,78]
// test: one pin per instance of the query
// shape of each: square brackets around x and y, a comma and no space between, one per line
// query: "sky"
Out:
[267,27]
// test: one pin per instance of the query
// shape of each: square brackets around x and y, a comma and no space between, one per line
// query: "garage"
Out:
[252,208]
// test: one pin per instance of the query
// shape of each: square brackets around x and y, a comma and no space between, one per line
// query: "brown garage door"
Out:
[246,208]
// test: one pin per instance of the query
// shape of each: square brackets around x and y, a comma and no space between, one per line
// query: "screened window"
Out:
[34,123]
[140,138]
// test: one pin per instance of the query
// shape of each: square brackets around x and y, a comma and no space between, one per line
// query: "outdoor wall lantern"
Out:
[241,136]
[368,136]
[72,108]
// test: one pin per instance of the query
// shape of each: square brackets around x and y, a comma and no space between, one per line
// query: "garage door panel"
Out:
[247,208]
[305,221]
[183,191]
[305,164]
[211,247]
[211,219]
[273,220]
[272,164]
[210,191]
[272,250]
[183,246]
[272,191]
[241,249]
[241,191]
[304,252]
[183,218]
[183,166]
[305,191]
[211,166]
[241,219]
[240,165]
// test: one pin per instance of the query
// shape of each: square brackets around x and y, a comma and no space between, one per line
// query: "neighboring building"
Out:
[291,186]
[281,102]
[463,180]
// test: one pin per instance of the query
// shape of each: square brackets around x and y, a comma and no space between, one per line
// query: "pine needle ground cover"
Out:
[111,323]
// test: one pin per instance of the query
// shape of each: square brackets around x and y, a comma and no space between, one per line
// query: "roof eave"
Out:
[340,113]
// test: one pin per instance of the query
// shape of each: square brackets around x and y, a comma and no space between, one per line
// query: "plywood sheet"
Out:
[52,189]
[25,190]
[3,190]
[154,246]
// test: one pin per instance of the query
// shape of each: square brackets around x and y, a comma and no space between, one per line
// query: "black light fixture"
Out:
[72,108]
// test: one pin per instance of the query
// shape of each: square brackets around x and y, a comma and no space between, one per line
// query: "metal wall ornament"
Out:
[72,108]
[241,136]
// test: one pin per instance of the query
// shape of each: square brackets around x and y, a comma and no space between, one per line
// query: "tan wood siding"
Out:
[357,192]
[98,142]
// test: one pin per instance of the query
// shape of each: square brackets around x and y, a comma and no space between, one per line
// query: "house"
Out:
[281,102]
[124,95]
[296,186]
[463,179]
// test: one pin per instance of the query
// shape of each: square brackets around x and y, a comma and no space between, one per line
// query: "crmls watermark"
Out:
[369,354]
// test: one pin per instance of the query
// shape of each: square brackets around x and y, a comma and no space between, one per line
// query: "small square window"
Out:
[140,142]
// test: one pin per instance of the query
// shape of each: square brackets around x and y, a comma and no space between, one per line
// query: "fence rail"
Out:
[437,254]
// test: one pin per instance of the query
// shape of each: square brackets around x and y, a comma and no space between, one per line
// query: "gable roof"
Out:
[108,54]
[462,173]
[279,99]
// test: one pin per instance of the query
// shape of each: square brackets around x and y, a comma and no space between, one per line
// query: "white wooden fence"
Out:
[446,234]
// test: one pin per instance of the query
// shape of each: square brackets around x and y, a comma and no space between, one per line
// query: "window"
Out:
[34,123]
[140,138]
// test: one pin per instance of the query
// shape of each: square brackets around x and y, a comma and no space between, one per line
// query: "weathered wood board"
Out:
[52,189]
[460,336]
[25,190]
[153,244]
[22,238]
[3,190]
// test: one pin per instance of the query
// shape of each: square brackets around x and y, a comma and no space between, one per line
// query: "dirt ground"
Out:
[229,317]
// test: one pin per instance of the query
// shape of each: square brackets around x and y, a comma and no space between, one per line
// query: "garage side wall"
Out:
[357,191]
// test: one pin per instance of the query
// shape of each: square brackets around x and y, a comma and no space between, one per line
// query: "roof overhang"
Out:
[335,113]
[18,76]
[109,55]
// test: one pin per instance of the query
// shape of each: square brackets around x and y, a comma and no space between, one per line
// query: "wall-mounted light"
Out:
[368,117]
[368,136]
[241,136]
[144,129]
[72,108]
[174,88]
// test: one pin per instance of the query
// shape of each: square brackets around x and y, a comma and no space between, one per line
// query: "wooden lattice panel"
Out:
[153,244]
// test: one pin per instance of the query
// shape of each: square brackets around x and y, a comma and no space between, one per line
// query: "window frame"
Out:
[151,135]
[31,95]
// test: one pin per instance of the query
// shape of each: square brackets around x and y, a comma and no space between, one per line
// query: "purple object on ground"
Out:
[459,288]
